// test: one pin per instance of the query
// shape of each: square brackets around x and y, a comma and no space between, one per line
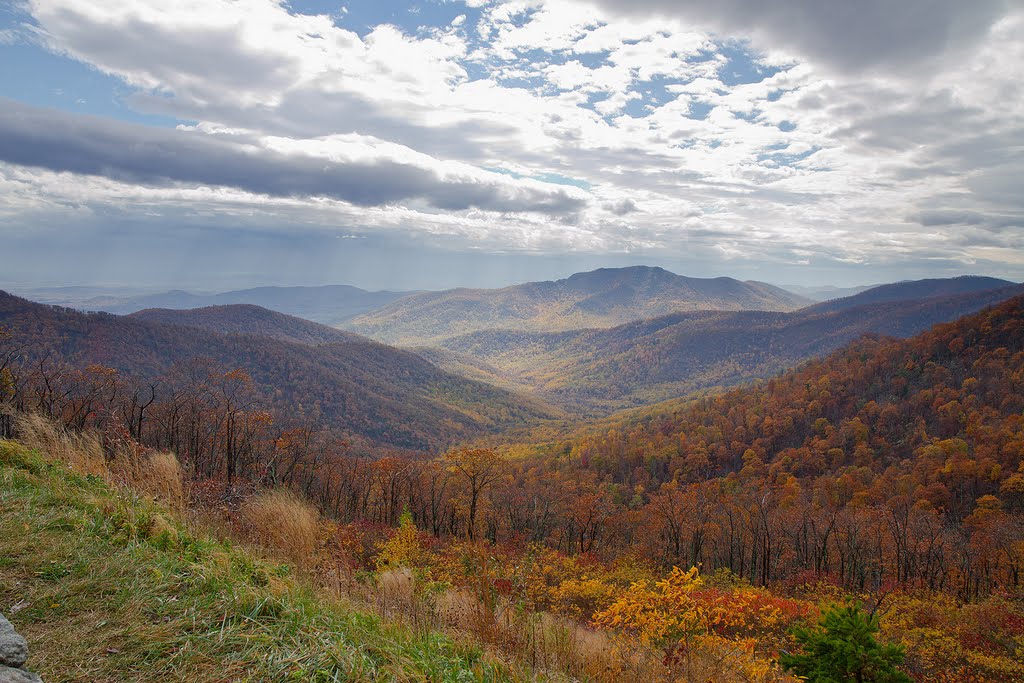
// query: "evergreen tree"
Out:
[843,648]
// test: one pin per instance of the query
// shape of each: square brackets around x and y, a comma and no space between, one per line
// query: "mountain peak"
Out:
[604,277]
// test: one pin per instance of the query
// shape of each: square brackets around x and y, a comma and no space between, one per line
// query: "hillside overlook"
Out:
[601,298]
[110,585]
[376,393]
[604,370]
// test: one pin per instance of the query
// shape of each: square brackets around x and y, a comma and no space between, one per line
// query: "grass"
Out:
[111,586]
[282,520]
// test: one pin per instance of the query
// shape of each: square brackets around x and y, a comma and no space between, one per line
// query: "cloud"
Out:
[623,207]
[944,217]
[354,171]
[851,37]
[775,150]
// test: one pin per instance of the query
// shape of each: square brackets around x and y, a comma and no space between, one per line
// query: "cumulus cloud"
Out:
[358,172]
[623,207]
[878,35]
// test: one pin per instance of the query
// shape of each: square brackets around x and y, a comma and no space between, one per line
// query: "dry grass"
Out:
[457,608]
[550,642]
[108,586]
[284,523]
[127,464]
[396,595]
[81,452]
[156,474]
[160,476]
[543,642]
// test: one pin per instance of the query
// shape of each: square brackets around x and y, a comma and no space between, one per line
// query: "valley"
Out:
[604,370]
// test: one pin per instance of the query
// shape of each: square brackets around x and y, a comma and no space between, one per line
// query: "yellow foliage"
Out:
[403,548]
[664,614]
[713,633]
[582,597]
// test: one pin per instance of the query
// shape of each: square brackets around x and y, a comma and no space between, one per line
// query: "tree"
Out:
[843,648]
[480,468]
[403,548]
[666,615]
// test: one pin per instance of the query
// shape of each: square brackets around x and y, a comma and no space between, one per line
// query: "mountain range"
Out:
[329,304]
[601,298]
[517,373]
[602,370]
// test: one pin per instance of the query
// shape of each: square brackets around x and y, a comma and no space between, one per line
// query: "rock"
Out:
[13,648]
[9,675]
[13,653]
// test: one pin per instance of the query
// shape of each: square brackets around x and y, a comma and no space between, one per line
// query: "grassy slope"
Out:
[113,588]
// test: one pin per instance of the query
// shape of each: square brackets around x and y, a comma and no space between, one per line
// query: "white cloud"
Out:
[849,36]
[820,161]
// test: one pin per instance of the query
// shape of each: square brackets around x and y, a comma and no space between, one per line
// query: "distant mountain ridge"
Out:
[327,304]
[914,289]
[249,319]
[597,299]
[825,292]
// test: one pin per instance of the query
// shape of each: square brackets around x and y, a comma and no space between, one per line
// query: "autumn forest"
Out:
[704,531]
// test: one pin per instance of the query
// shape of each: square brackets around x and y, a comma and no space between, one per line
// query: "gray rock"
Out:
[13,648]
[9,675]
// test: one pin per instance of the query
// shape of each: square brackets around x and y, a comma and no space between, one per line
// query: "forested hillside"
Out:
[358,388]
[640,363]
[888,461]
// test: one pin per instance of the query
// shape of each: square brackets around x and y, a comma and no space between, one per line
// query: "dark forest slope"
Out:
[249,319]
[377,393]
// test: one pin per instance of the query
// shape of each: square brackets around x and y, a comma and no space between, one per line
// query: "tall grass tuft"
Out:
[284,523]
[160,476]
[124,463]
[80,451]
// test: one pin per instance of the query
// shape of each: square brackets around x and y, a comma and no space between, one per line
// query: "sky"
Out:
[216,144]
